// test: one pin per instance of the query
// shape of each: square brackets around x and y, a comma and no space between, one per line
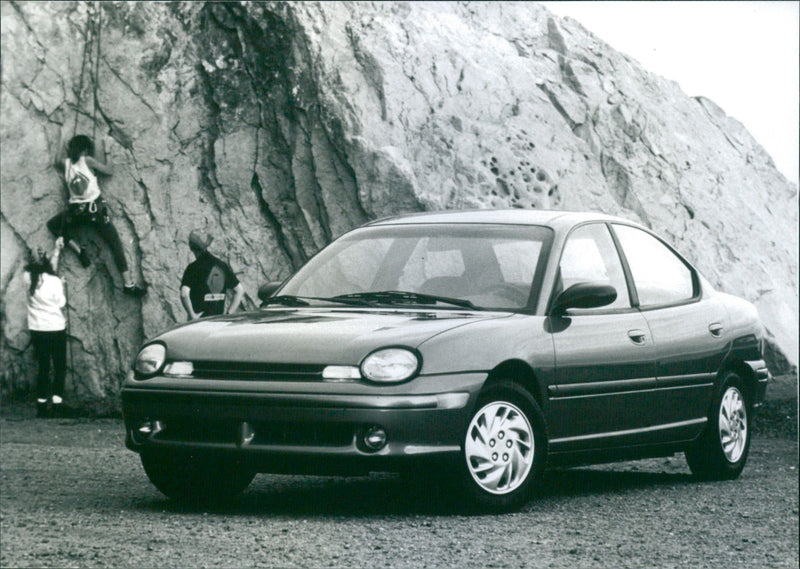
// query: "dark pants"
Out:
[50,346]
[65,223]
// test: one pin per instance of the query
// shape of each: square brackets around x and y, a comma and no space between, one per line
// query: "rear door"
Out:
[687,329]
[605,358]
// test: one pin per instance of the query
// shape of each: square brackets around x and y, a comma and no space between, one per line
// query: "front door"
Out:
[605,376]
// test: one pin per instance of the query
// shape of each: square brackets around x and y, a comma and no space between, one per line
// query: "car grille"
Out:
[270,433]
[257,371]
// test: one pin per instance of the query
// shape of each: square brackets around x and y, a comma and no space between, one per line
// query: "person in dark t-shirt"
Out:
[207,280]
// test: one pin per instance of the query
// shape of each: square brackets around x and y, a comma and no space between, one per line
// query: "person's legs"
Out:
[58,350]
[59,353]
[58,225]
[62,225]
[109,234]
[42,354]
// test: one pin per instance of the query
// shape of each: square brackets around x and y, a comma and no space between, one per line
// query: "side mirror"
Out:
[584,295]
[266,290]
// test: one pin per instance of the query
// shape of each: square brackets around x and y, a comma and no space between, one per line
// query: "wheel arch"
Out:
[521,373]
[745,373]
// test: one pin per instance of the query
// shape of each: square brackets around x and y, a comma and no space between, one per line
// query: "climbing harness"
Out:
[89,211]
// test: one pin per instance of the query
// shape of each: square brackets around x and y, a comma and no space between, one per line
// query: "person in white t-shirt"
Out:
[47,327]
[86,206]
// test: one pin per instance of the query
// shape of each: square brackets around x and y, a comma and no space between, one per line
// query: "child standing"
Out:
[47,327]
[86,205]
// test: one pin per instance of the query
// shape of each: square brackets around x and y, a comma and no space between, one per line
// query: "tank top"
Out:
[81,181]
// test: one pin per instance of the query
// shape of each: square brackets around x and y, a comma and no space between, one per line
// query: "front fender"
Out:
[483,345]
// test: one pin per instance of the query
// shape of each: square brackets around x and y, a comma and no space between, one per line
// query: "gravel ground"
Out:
[73,496]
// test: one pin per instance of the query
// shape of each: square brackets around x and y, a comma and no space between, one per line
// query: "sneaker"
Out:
[84,258]
[134,290]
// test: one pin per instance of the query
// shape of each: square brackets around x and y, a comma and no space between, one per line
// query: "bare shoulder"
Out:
[98,166]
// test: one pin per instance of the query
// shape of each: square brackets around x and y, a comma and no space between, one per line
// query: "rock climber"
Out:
[207,281]
[80,165]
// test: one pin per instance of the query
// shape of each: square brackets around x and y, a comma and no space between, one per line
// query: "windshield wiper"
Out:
[370,299]
[291,300]
[285,299]
[405,297]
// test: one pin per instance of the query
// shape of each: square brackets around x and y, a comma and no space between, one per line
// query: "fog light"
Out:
[375,438]
[179,369]
[340,373]
[150,428]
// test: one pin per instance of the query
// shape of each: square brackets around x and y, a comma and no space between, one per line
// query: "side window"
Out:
[590,255]
[659,275]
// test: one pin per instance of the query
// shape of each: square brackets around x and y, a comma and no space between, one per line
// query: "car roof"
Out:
[550,218]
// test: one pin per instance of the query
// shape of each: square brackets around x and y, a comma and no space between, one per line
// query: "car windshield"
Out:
[480,266]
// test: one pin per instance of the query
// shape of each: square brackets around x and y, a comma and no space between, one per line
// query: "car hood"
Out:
[311,335]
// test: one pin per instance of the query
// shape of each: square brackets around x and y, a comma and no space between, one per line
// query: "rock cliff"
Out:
[278,126]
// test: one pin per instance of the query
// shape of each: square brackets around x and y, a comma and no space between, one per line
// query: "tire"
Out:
[721,451]
[200,479]
[505,448]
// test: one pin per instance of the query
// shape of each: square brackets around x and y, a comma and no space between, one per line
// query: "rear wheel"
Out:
[196,478]
[505,448]
[721,452]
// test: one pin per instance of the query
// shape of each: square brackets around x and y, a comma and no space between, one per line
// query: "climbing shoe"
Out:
[134,290]
[84,258]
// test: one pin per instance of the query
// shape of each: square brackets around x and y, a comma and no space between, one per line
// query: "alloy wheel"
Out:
[733,424]
[499,447]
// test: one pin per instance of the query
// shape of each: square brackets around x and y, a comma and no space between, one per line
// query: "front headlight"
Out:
[390,365]
[150,359]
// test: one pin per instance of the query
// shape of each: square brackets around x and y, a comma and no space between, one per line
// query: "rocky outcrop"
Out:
[278,126]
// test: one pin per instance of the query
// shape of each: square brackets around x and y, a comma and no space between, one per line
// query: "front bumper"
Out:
[298,427]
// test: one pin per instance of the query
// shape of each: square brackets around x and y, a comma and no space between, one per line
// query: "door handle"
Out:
[637,336]
[715,328]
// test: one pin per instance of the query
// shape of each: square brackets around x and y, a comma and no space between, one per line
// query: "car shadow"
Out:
[590,481]
[378,494]
[388,494]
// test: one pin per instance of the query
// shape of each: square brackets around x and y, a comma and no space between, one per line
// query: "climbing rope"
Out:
[80,84]
[91,50]
[70,363]
[95,79]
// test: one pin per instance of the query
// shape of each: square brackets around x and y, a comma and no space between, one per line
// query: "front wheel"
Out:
[721,451]
[505,448]
[189,477]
